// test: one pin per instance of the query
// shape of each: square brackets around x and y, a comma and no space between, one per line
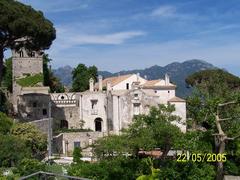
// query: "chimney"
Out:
[145,77]
[167,79]
[138,77]
[109,86]
[100,86]
[91,85]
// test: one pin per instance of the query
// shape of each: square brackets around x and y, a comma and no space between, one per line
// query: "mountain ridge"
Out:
[178,71]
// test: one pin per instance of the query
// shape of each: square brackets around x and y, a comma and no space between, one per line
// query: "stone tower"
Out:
[25,64]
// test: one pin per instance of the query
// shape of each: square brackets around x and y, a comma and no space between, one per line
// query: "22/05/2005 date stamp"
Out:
[201,157]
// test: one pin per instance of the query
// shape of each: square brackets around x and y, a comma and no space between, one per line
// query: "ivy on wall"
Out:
[30,80]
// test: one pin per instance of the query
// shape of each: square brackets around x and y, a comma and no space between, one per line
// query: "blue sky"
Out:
[131,34]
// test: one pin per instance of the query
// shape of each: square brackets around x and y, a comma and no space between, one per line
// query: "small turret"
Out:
[109,86]
[100,86]
[91,85]
[167,80]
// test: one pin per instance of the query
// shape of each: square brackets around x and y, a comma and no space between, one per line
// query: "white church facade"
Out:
[112,109]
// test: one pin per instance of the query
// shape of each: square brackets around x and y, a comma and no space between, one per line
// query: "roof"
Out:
[151,82]
[114,80]
[157,83]
[176,99]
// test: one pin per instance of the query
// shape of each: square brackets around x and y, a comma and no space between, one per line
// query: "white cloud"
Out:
[164,11]
[115,38]
[68,37]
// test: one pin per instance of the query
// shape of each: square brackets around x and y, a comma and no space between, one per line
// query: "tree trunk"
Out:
[165,152]
[221,150]
[1,65]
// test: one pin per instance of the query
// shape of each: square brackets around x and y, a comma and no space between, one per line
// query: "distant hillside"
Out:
[64,74]
[177,72]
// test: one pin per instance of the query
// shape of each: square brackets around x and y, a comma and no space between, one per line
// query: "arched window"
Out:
[21,53]
[98,124]
[32,54]
[64,124]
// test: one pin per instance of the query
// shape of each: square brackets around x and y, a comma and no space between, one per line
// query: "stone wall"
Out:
[180,110]
[42,125]
[33,106]
[68,114]
[67,141]
[23,65]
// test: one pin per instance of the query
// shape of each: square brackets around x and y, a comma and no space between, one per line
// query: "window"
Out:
[136,108]
[62,97]
[127,86]
[168,92]
[155,91]
[98,124]
[94,103]
[44,112]
[135,95]
[21,53]
[76,144]
[32,54]
[70,114]
[64,124]
[34,104]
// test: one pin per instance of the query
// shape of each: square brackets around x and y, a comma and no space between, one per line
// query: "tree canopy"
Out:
[81,75]
[6,124]
[34,139]
[215,82]
[18,20]
[119,158]
[147,132]
[49,79]
[214,108]
[7,74]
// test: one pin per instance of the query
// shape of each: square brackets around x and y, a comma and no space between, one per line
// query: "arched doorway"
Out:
[64,124]
[98,124]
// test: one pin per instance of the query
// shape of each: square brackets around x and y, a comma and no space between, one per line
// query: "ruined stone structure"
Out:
[107,107]
[25,64]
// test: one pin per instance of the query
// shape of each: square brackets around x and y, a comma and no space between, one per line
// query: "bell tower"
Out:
[27,71]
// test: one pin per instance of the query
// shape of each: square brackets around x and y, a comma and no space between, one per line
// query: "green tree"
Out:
[214,83]
[48,77]
[35,139]
[3,102]
[147,132]
[6,124]
[77,154]
[154,130]
[12,150]
[29,166]
[216,98]
[190,170]
[111,146]
[7,74]
[20,21]
[81,75]
[118,168]
[154,172]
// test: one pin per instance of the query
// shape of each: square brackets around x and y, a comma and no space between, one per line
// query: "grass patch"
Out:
[30,81]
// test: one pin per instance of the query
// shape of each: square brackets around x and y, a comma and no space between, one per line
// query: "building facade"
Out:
[107,107]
